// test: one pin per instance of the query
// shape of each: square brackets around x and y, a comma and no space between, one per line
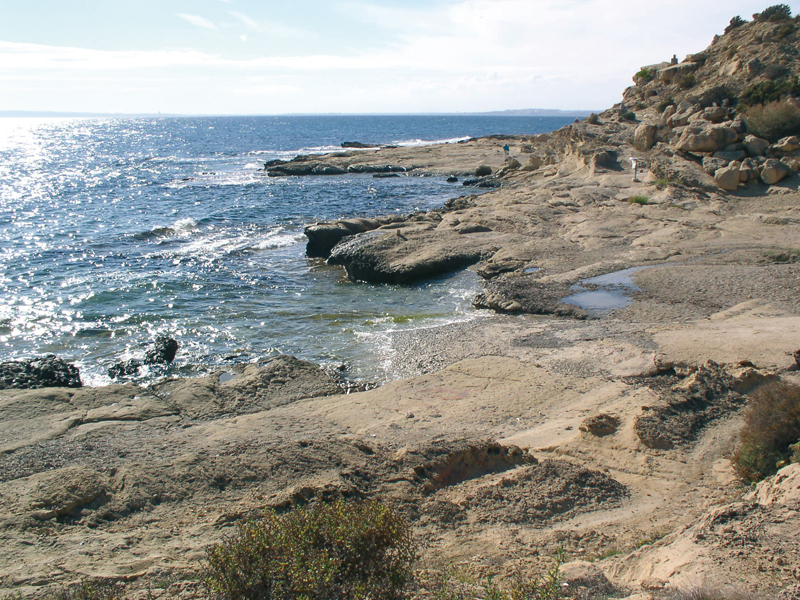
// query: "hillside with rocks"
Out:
[546,422]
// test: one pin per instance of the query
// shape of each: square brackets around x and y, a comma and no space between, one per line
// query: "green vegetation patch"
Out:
[339,551]
[773,121]
[644,75]
[662,106]
[771,428]
[775,14]
[736,21]
[769,91]
[790,256]
[640,200]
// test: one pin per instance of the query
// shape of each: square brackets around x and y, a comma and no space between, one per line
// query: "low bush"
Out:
[771,427]
[644,75]
[96,589]
[628,115]
[339,551]
[773,121]
[778,12]
[765,92]
[736,21]
[662,106]
[450,584]
[688,81]
[640,200]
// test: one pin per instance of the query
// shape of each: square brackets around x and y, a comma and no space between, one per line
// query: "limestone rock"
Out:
[755,146]
[727,178]
[786,145]
[645,136]
[715,114]
[510,164]
[533,163]
[483,171]
[706,139]
[774,171]
[712,164]
[748,170]
[322,237]
[792,163]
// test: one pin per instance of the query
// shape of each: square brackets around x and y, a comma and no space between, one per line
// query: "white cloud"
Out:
[251,23]
[197,21]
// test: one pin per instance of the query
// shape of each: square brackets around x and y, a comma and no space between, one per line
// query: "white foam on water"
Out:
[417,143]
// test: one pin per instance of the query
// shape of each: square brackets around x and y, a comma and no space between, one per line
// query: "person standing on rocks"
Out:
[507,150]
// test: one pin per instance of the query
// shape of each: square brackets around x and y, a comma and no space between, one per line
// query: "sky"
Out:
[255,57]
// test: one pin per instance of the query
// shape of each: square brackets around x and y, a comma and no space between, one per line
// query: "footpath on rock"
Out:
[545,423]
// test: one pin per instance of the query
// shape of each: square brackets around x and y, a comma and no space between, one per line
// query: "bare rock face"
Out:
[48,371]
[644,137]
[727,178]
[774,171]
[322,237]
[395,257]
[707,139]
[755,146]
[786,145]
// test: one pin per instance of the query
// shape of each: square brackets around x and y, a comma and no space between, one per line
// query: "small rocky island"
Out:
[541,425]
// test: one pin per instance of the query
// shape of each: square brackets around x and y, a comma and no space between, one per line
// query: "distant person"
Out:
[507,150]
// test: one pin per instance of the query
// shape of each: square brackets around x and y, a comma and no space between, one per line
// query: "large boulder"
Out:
[404,257]
[715,114]
[786,145]
[774,171]
[727,178]
[48,371]
[322,237]
[644,137]
[707,139]
[755,146]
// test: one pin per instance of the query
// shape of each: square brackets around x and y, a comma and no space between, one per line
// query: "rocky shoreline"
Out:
[538,425]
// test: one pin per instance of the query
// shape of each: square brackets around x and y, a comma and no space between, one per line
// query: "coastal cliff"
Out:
[544,423]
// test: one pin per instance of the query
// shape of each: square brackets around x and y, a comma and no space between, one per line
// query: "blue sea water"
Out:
[116,230]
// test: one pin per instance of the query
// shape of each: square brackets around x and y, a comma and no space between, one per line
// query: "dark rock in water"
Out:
[359,145]
[452,179]
[328,170]
[162,352]
[376,169]
[385,175]
[322,237]
[274,163]
[483,171]
[381,257]
[126,368]
[49,371]
[483,182]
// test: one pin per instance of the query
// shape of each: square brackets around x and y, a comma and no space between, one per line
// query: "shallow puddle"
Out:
[615,291]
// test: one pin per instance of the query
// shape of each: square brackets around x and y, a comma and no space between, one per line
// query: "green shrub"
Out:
[338,551]
[640,200]
[772,425]
[736,21]
[769,91]
[645,74]
[453,585]
[628,115]
[779,12]
[662,106]
[688,81]
[773,121]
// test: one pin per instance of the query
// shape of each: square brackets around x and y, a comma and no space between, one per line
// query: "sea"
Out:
[117,230]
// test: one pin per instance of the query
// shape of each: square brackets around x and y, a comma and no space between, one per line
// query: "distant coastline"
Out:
[525,112]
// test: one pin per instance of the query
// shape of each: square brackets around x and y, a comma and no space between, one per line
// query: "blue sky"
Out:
[353,56]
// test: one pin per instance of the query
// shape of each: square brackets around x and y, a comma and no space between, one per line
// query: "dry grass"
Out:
[773,120]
